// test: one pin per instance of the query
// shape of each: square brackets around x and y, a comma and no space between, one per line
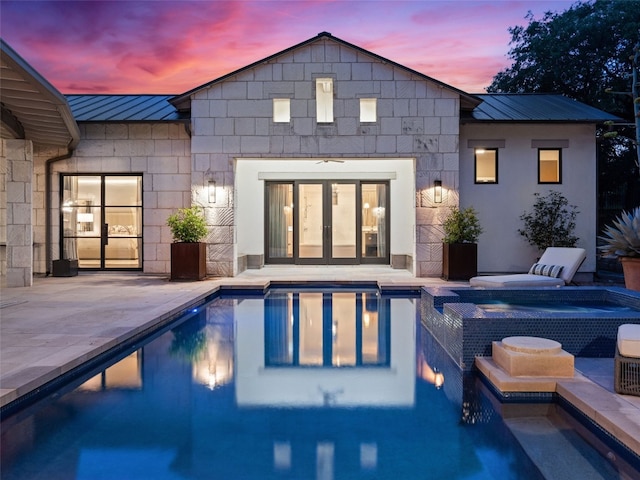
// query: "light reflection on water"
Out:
[306,385]
[595,308]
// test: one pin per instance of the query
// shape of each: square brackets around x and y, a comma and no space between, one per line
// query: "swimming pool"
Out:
[317,384]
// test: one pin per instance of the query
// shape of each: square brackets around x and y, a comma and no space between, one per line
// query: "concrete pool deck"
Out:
[61,322]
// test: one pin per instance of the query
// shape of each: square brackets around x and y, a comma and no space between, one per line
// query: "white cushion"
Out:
[629,340]
[516,280]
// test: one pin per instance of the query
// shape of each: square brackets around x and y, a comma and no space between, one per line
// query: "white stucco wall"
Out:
[501,248]
[249,194]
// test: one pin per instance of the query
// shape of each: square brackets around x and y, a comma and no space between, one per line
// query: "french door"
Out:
[101,221]
[327,222]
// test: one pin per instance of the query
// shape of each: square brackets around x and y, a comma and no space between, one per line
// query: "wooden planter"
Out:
[631,269]
[459,261]
[188,261]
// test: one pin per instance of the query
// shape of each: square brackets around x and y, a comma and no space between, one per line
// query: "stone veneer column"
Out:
[17,163]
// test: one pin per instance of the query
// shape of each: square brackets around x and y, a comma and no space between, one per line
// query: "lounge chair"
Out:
[556,268]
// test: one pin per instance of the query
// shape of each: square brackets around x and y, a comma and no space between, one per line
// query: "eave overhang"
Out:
[32,108]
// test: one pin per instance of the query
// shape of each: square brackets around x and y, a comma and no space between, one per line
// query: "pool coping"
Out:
[613,413]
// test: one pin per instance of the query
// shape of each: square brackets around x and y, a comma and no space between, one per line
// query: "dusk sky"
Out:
[169,47]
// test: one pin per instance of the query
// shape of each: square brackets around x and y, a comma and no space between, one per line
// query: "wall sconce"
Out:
[437,191]
[212,191]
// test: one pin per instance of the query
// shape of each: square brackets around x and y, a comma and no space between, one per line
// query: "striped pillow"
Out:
[552,271]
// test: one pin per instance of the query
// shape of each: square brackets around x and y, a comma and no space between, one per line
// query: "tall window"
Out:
[368,109]
[324,100]
[281,110]
[486,165]
[549,165]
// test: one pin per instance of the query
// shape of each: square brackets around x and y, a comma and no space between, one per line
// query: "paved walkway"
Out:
[59,323]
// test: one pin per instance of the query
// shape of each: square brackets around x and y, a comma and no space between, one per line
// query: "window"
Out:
[324,100]
[281,110]
[368,109]
[486,165]
[549,165]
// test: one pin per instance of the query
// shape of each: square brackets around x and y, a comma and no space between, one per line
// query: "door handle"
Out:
[105,234]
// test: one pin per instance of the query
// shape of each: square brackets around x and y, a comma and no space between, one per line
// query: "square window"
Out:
[281,110]
[368,111]
[549,165]
[324,100]
[486,165]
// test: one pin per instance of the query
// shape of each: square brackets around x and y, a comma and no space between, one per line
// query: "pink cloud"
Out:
[173,46]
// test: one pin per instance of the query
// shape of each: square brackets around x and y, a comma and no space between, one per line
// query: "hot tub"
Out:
[584,320]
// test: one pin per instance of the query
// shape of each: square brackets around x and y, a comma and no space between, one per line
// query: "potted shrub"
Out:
[188,255]
[459,248]
[622,240]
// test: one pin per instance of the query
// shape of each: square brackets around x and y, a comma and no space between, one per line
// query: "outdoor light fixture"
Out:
[437,191]
[212,191]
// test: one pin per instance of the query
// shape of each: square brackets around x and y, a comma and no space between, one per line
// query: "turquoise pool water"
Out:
[306,384]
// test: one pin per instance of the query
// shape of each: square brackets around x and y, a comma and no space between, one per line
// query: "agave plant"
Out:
[622,239]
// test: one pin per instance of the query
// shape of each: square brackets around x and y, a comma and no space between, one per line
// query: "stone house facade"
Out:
[364,156]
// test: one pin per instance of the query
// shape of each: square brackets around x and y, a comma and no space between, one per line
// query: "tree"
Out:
[579,53]
[583,53]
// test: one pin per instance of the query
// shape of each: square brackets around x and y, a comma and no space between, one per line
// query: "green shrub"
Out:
[552,222]
[461,226]
[188,225]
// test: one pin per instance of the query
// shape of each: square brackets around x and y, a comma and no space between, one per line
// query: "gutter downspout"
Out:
[47,205]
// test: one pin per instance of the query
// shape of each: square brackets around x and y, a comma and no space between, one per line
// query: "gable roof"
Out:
[31,107]
[467,101]
[534,107]
[124,108]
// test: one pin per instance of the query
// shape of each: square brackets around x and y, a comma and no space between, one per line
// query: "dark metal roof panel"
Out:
[535,107]
[123,108]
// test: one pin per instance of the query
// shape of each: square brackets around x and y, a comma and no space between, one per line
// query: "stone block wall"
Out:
[161,152]
[16,161]
[417,119]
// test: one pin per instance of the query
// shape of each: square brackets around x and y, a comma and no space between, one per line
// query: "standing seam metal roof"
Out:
[534,107]
[123,108]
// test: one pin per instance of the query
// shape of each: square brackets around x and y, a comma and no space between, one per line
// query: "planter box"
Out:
[65,268]
[188,261]
[459,261]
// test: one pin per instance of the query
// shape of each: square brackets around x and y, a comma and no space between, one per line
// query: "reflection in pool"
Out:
[296,385]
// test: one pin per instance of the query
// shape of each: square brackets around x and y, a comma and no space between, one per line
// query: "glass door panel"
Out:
[122,235]
[374,221]
[279,221]
[343,220]
[311,226]
[80,225]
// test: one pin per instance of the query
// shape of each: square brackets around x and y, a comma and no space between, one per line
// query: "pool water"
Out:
[566,307]
[296,385]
